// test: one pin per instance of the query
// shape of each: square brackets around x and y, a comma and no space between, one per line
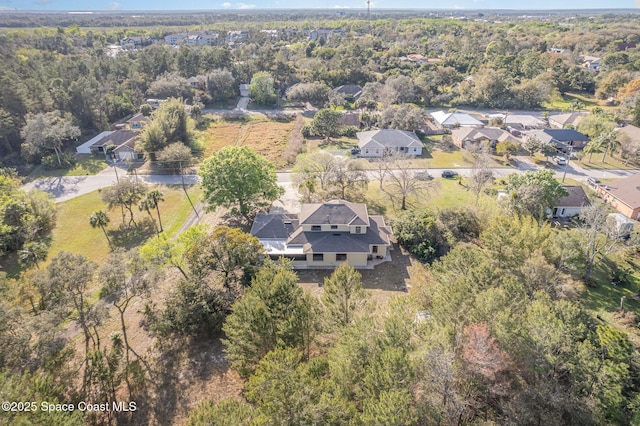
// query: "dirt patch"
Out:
[389,279]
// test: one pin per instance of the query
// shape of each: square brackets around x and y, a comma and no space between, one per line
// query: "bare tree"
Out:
[347,174]
[600,237]
[481,174]
[403,181]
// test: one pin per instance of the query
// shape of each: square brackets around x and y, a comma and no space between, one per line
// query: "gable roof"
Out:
[626,190]
[349,89]
[334,212]
[563,135]
[453,118]
[387,138]
[117,138]
[477,134]
[138,118]
[524,120]
[572,118]
[576,198]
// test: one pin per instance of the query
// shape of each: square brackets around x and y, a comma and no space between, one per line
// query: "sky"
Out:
[102,5]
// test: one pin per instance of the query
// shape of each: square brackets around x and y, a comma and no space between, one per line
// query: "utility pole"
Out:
[564,175]
[184,188]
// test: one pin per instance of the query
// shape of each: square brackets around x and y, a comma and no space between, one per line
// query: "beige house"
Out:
[562,121]
[623,195]
[325,235]
[466,137]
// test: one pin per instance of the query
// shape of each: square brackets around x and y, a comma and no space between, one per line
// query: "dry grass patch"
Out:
[268,138]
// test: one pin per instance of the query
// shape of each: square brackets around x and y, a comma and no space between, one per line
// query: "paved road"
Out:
[68,187]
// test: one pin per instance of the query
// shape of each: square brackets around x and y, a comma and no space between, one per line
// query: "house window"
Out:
[374,249]
[316,227]
[318,257]
[341,257]
[358,229]
[414,149]
[334,226]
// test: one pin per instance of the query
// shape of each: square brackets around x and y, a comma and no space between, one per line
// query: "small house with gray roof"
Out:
[562,139]
[325,235]
[376,143]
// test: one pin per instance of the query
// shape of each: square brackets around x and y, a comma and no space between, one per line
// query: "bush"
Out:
[348,131]
[50,162]
[306,131]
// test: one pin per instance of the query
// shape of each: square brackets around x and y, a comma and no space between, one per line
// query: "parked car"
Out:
[423,175]
[449,174]
[593,181]
[355,151]
[561,161]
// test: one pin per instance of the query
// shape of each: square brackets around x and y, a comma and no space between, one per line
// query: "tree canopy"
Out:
[237,178]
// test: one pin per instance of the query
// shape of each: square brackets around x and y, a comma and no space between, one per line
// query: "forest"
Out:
[148,320]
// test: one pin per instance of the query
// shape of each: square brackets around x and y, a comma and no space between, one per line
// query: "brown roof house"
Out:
[322,236]
[623,195]
[467,137]
[572,204]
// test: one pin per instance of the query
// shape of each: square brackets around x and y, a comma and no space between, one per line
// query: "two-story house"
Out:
[325,235]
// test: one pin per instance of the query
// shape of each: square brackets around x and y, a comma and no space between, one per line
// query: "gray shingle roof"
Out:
[388,138]
[334,212]
[342,242]
[274,226]
[117,138]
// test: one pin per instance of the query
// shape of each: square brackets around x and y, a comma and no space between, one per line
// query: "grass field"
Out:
[564,102]
[268,138]
[74,234]
[609,163]
[86,165]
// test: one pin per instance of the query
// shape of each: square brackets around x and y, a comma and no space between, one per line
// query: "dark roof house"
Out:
[325,235]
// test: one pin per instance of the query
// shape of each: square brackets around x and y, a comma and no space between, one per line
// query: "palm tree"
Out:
[31,253]
[100,219]
[155,197]
[147,205]
[596,145]
[609,140]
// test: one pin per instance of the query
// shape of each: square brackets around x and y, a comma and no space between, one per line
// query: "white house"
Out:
[572,204]
[451,120]
[375,143]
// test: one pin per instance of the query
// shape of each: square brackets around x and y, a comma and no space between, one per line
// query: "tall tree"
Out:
[534,192]
[261,88]
[343,295]
[126,193]
[47,131]
[168,124]
[236,177]
[100,219]
[326,123]
[273,312]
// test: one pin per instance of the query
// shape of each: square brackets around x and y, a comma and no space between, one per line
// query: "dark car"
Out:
[449,174]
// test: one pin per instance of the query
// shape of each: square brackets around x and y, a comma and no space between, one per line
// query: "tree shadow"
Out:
[130,237]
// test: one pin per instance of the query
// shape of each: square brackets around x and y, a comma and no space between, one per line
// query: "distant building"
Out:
[120,143]
[591,62]
[351,92]
[135,42]
[452,120]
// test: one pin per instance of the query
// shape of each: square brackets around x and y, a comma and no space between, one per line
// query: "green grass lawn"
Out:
[86,165]
[441,193]
[74,234]
[564,102]
[609,163]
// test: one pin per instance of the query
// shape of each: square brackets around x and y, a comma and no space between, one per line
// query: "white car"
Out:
[561,161]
